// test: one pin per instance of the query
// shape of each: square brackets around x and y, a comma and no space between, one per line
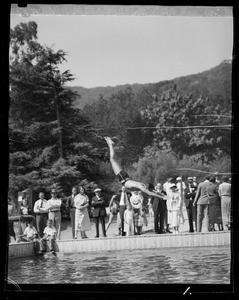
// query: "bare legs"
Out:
[109,222]
[115,166]
[83,234]
[130,184]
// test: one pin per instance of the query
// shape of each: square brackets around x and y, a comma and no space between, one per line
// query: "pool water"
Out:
[201,265]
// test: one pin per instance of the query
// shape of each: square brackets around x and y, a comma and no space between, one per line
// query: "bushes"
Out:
[158,166]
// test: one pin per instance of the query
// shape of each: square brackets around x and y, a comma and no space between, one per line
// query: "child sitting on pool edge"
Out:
[49,235]
[29,235]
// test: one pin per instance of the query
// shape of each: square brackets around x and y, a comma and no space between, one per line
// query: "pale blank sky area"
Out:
[114,50]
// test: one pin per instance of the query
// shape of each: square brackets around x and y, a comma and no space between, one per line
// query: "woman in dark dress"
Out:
[215,215]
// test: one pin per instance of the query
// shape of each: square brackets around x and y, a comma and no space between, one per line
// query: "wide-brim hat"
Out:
[179,178]
[97,190]
[190,179]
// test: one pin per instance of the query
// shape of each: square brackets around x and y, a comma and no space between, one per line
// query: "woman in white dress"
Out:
[138,213]
[173,205]
[82,219]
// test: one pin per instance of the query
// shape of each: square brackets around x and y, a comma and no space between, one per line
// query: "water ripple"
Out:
[205,265]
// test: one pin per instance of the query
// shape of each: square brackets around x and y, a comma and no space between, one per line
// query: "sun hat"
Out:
[97,190]
[179,178]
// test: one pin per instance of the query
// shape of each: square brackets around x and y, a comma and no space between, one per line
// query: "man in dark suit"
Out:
[202,202]
[71,206]
[190,193]
[99,212]
[159,208]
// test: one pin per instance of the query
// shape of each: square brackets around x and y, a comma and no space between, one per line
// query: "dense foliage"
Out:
[161,130]
[51,142]
[189,126]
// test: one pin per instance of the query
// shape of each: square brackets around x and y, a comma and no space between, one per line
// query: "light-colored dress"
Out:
[82,219]
[174,204]
[129,222]
[135,201]
[181,186]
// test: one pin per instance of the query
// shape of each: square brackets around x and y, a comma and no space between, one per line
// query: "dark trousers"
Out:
[192,216]
[11,230]
[159,220]
[202,212]
[121,212]
[44,241]
[165,214]
[73,216]
[101,220]
[41,220]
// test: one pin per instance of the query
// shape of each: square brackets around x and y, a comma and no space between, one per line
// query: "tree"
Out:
[181,125]
[51,142]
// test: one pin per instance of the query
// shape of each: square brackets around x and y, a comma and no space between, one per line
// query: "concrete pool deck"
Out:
[148,239]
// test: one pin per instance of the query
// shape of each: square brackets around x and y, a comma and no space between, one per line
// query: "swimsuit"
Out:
[123,176]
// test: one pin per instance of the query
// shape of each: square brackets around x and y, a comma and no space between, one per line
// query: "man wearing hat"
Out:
[99,212]
[190,193]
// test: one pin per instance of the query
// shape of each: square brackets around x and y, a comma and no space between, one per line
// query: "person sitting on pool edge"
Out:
[30,234]
[49,235]
[123,176]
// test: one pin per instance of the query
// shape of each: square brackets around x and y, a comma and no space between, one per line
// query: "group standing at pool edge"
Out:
[209,200]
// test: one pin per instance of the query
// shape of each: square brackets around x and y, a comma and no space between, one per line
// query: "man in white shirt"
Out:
[122,207]
[54,206]
[181,186]
[41,211]
[167,189]
[167,185]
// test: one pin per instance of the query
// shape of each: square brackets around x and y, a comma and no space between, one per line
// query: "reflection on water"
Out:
[204,265]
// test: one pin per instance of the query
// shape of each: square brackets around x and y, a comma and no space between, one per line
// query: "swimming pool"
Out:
[202,265]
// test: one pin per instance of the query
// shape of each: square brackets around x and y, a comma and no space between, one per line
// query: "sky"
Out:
[115,50]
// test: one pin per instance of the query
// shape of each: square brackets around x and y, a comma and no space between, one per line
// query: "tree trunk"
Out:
[59,124]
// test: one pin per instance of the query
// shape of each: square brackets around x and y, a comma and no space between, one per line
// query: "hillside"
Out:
[215,82]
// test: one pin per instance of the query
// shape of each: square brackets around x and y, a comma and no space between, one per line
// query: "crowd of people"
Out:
[209,200]
[132,206]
